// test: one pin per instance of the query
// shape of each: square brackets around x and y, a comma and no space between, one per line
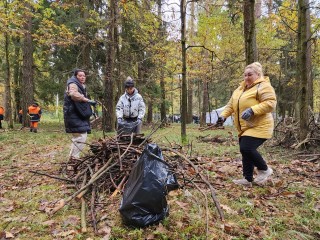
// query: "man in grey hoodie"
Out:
[130,107]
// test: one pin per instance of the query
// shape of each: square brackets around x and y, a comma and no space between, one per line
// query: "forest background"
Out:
[186,57]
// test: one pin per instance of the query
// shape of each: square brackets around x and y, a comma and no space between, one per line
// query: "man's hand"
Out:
[119,120]
[92,103]
[220,121]
[247,114]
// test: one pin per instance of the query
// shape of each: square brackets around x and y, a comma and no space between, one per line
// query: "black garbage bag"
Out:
[144,198]
[126,127]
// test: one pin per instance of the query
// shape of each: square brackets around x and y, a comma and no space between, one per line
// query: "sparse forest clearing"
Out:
[200,68]
[287,208]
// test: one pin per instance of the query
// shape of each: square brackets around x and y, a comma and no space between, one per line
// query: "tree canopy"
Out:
[43,41]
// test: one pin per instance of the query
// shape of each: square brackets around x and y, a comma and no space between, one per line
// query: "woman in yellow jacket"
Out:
[251,104]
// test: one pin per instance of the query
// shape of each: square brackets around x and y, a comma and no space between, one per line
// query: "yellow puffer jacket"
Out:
[262,100]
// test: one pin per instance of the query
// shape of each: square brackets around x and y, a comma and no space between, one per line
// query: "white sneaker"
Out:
[243,182]
[263,176]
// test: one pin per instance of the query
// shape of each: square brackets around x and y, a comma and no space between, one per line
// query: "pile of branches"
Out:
[286,134]
[105,170]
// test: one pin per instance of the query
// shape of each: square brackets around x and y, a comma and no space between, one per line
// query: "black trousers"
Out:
[250,156]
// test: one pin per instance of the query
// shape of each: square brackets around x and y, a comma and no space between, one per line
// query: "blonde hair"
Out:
[256,67]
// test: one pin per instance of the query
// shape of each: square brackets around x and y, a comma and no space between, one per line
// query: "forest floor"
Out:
[288,207]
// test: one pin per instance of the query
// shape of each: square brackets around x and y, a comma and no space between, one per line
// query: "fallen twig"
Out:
[63,202]
[83,209]
[51,176]
[213,195]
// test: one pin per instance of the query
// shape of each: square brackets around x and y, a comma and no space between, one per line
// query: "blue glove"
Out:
[220,121]
[119,120]
[139,121]
[247,114]
[92,103]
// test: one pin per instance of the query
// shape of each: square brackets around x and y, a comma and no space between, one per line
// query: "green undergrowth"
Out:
[286,208]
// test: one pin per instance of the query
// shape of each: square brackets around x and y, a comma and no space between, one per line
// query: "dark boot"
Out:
[35,130]
[31,129]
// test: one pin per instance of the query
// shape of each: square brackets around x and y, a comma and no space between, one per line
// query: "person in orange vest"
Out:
[34,111]
[1,115]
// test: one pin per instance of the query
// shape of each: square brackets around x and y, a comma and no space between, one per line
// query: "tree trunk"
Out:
[17,76]
[109,111]
[86,46]
[309,57]
[205,102]
[304,64]
[8,102]
[249,31]
[258,8]
[162,82]
[199,103]
[117,64]
[27,87]
[184,93]
[190,82]
[150,111]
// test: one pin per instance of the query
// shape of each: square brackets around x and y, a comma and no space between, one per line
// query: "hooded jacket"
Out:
[261,98]
[73,121]
[131,106]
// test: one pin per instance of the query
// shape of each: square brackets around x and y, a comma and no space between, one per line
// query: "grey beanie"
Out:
[128,82]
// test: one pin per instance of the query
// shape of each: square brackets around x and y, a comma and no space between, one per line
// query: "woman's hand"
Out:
[247,114]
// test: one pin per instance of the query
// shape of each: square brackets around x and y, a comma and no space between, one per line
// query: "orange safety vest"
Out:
[35,113]
[1,110]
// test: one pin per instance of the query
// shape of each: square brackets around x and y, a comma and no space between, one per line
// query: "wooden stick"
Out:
[151,133]
[82,193]
[94,178]
[112,182]
[314,159]
[51,176]
[118,189]
[93,198]
[80,173]
[120,160]
[83,216]
[83,209]
[309,155]
[213,195]
[127,147]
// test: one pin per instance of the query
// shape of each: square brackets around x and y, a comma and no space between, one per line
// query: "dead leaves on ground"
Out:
[289,188]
